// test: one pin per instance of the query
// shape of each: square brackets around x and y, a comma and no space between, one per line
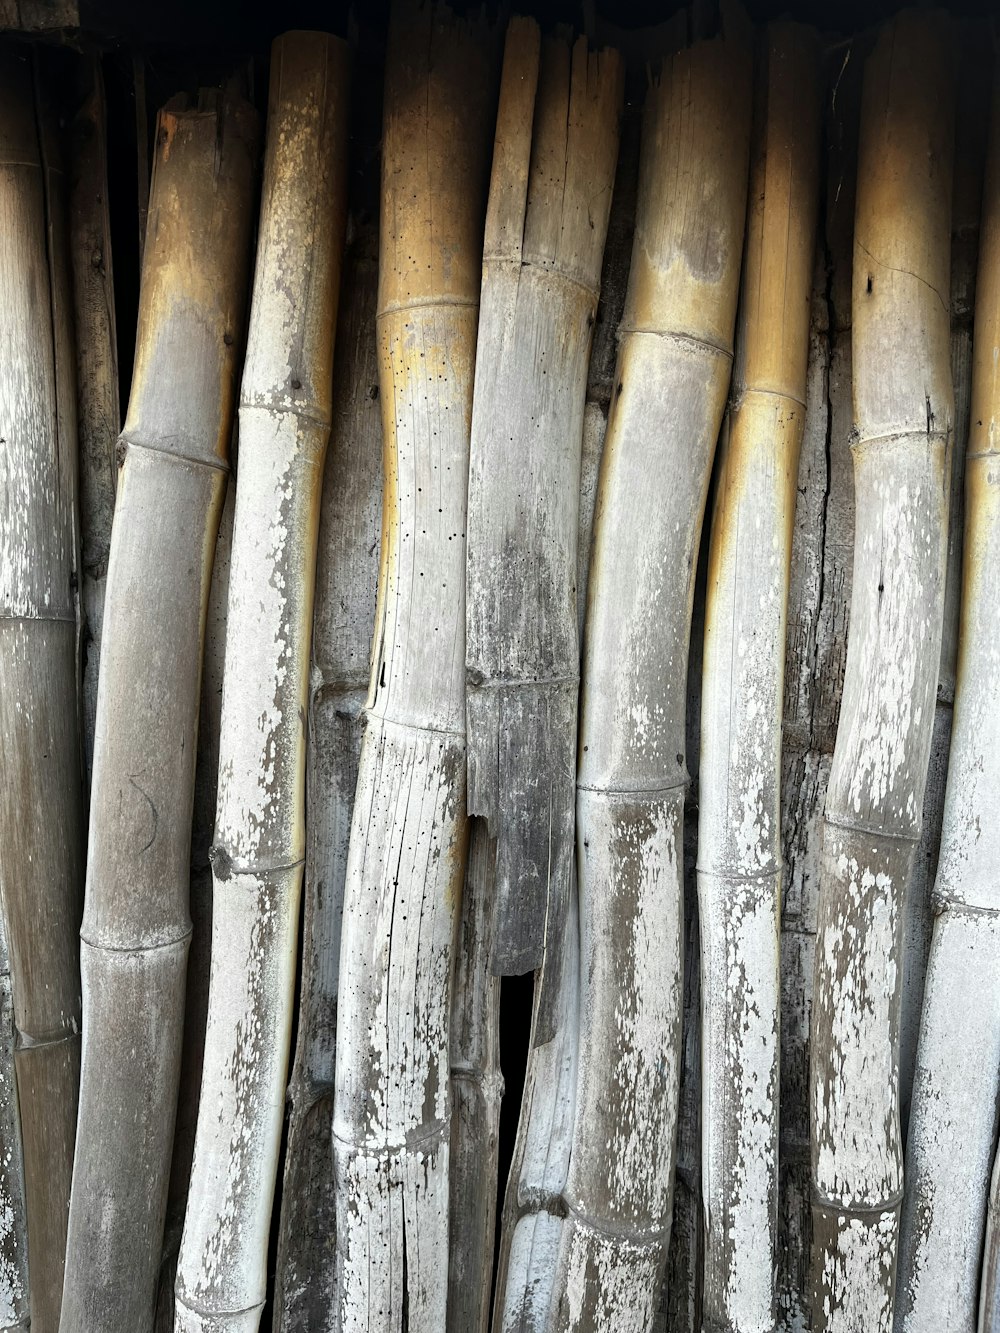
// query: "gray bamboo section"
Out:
[137,925]
[41,795]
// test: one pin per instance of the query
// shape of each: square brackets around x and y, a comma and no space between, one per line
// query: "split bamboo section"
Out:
[550,195]
[259,848]
[392,1107]
[346,579]
[739,827]
[673,376]
[903,413]
[41,793]
[136,924]
[958,1056]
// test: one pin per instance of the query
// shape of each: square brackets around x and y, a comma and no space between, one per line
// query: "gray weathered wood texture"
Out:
[137,926]
[903,413]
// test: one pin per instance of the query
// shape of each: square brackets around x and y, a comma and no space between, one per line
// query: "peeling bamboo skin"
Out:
[409,836]
[958,1056]
[554,165]
[671,384]
[136,923]
[41,805]
[259,848]
[903,409]
[739,853]
[346,578]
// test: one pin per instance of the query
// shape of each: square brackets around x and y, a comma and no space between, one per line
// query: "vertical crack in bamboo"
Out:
[346,580]
[958,1058]
[41,809]
[406,861]
[673,376]
[739,847]
[259,849]
[550,195]
[136,925]
[903,410]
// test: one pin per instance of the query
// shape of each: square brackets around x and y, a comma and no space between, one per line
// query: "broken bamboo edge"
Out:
[346,578]
[136,924]
[739,826]
[546,223]
[673,376]
[41,796]
[903,410]
[259,848]
[406,861]
[958,1057]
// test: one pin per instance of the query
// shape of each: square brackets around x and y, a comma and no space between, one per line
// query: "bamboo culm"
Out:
[406,860]
[903,413]
[41,796]
[259,847]
[136,924]
[346,581]
[673,375]
[956,1082]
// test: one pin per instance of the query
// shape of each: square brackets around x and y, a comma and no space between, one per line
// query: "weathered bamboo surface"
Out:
[550,196]
[136,924]
[957,1077]
[903,410]
[671,384]
[346,580]
[41,795]
[259,848]
[406,861]
[739,848]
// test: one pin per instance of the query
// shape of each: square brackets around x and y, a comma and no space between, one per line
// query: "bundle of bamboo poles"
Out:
[403,772]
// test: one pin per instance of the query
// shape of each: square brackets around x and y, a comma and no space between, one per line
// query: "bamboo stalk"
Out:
[392,1105]
[673,375]
[136,923]
[97,373]
[957,1081]
[41,808]
[259,849]
[346,578]
[903,411]
[550,195]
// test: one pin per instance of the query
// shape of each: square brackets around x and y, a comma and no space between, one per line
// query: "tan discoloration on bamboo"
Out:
[903,412]
[136,922]
[958,1057]
[739,852]
[557,141]
[392,1106]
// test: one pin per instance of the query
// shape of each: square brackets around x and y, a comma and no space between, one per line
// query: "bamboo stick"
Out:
[258,854]
[673,374]
[550,195]
[739,847]
[957,1078]
[903,411]
[98,410]
[346,578]
[41,808]
[392,1105]
[136,923]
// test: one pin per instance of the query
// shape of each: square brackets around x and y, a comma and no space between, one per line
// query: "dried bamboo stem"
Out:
[136,923]
[550,195]
[903,411]
[259,849]
[392,1107]
[346,579]
[957,1082]
[41,796]
[673,375]
[739,848]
